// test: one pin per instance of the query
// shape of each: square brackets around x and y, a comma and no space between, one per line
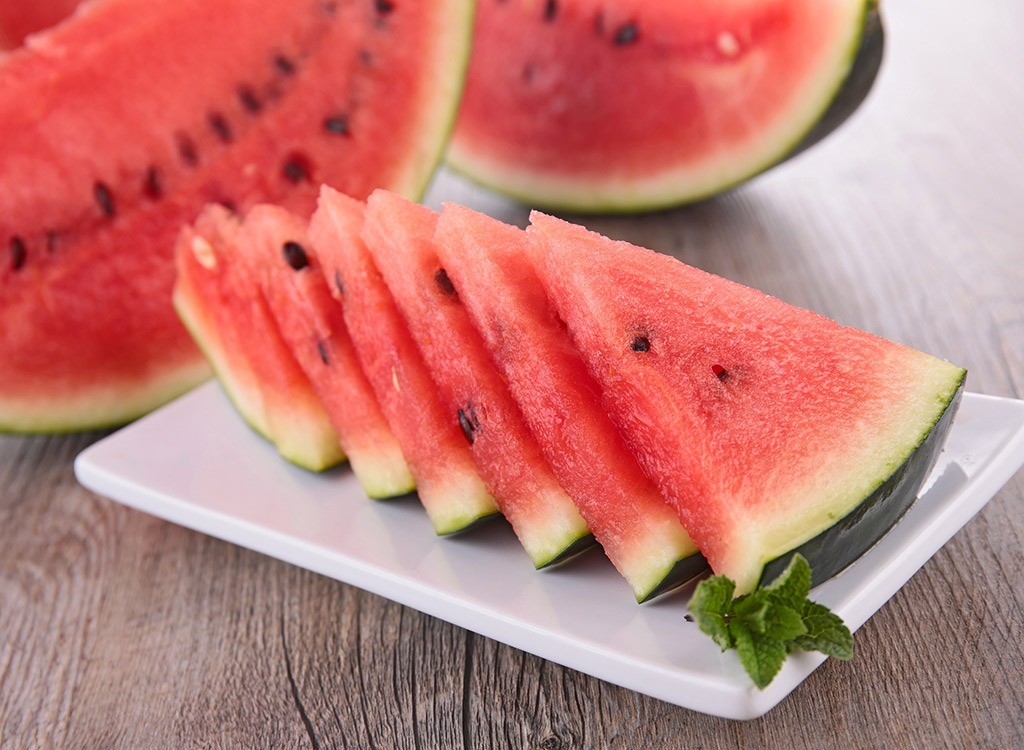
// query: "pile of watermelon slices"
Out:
[585,389]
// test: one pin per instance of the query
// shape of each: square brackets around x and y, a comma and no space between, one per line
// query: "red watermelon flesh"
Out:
[638,104]
[219,300]
[19,18]
[399,235]
[311,323]
[762,423]
[447,481]
[488,263]
[121,123]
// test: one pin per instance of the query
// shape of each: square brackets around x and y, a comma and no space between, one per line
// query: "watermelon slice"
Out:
[312,325]
[118,125]
[218,297]
[769,428]
[637,105]
[399,235]
[488,264]
[450,488]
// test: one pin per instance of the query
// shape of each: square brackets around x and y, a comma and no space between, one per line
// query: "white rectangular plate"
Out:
[197,464]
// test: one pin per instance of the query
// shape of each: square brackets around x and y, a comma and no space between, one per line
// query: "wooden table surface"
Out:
[121,630]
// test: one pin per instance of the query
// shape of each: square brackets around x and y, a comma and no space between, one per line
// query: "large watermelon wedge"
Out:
[400,236]
[591,105]
[770,428]
[488,263]
[118,125]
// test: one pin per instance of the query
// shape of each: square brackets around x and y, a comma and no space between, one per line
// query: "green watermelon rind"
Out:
[683,571]
[836,548]
[457,55]
[305,448]
[311,445]
[114,406]
[850,87]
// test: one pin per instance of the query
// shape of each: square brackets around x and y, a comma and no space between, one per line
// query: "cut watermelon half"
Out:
[636,105]
[771,429]
[120,124]
[400,237]
[447,481]
[219,299]
[489,265]
[310,320]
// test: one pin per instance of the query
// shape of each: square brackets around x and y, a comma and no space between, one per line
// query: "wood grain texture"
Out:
[120,630]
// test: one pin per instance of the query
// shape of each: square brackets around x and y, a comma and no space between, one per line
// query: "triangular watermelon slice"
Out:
[218,298]
[399,234]
[310,320]
[770,428]
[448,483]
[488,262]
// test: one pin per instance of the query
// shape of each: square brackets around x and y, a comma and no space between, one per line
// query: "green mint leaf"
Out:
[761,657]
[793,584]
[710,605]
[752,610]
[826,632]
[783,623]
[770,622]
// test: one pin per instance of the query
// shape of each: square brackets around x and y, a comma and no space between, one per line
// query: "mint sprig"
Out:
[771,622]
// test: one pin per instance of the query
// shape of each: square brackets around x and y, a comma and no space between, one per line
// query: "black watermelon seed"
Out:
[153,186]
[641,344]
[187,150]
[720,372]
[550,10]
[249,100]
[384,7]
[338,283]
[295,255]
[220,126]
[444,283]
[296,168]
[284,65]
[469,422]
[628,33]
[104,199]
[322,348]
[18,253]
[229,204]
[337,125]
[366,57]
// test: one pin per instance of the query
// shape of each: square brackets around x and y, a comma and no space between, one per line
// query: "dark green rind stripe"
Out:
[683,571]
[454,527]
[858,84]
[396,496]
[577,547]
[836,548]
